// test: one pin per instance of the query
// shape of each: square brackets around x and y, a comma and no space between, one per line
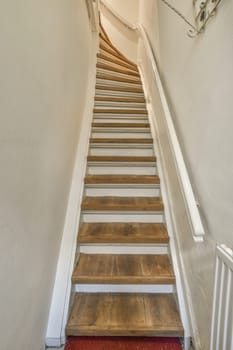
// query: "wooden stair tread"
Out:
[121,140]
[106,76]
[121,159]
[123,269]
[111,51]
[120,111]
[103,32]
[124,314]
[105,40]
[121,125]
[122,232]
[109,44]
[120,99]
[112,203]
[110,68]
[107,48]
[121,179]
[119,88]
[119,62]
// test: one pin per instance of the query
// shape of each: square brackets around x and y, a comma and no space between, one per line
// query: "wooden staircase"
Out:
[124,281]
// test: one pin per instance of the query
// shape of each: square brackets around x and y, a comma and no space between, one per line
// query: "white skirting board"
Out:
[62,287]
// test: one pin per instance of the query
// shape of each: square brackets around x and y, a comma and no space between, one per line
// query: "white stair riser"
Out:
[135,131]
[100,92]
[123,192]
[96,216]
[123,170]
[124,288]
[119,119]
[124,134]
[120,115]
[110,104]
[118,83]
[124,248]
[128,108]
[116,74]
[94,151]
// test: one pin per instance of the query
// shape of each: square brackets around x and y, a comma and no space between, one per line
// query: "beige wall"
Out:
[198,78]
[121,37]
[148,17]
[45,49]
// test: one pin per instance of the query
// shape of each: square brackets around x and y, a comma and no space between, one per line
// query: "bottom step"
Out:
[123,343]
[120,314]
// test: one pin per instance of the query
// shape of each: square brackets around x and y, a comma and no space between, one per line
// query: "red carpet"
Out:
[122,343]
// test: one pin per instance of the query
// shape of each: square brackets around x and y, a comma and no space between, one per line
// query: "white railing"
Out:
[191,204]
[222,314]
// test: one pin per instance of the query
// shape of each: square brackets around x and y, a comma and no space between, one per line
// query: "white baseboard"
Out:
[52,343]
[62,287]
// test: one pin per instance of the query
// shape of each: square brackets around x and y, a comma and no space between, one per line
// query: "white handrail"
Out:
[195,218]
[198,229]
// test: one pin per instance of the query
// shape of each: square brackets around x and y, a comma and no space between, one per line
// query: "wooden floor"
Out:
[121,140]
[120,99]
[121,179]
[115,314]
[120,125]
[121,159]
[112,203]
[122,232]
[123,269]
[118,88]
[121,111]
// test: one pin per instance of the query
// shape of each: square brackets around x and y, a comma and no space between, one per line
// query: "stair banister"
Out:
[191,203]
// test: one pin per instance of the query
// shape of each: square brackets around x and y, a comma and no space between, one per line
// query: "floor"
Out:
[62,348]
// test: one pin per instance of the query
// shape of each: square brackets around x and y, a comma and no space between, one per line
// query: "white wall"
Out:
[198,77]
[120,36]
[45,49]
[148,16]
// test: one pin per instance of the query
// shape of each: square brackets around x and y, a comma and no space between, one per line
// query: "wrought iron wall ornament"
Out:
[203,11]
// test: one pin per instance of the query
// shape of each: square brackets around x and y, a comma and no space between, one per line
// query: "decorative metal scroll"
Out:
[203,11]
